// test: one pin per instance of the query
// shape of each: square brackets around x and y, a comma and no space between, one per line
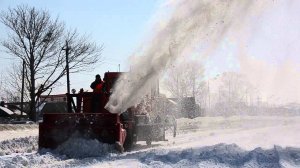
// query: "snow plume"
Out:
[186,26]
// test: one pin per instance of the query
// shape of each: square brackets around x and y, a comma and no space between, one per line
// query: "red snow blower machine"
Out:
[123,129]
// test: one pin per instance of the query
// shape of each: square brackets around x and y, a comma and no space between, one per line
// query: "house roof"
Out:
[5,111]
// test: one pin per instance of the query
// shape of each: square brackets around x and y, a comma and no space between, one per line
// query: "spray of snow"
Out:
[188,25]
[78,147]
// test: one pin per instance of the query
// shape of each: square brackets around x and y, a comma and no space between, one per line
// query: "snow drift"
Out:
[201,142]
[220,155]
[18,145]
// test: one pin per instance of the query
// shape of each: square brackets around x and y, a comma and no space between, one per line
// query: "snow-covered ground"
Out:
[10,131]
[201,142]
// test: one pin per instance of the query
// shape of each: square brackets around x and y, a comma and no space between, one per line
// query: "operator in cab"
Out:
[97,86]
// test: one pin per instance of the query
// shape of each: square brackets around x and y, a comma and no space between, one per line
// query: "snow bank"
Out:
[18,145]
[219,142]
[220,155]
[34,160]
[22,152]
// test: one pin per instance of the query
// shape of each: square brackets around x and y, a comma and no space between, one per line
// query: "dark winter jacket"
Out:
[97,86]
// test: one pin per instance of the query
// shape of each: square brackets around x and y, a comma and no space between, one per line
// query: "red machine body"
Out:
[57,127]
[123,130]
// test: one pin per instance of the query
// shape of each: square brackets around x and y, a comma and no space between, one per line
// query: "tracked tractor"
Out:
[123,130]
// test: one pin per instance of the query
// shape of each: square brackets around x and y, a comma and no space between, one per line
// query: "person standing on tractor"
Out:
[97,86]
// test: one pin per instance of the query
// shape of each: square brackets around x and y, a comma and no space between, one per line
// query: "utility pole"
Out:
[67,49]
[119,67]
[22,91]
[67,67]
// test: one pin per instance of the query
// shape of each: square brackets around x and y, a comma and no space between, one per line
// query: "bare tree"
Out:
[234,87]
[235,93]
[185,79]
[38,40]
[12,84]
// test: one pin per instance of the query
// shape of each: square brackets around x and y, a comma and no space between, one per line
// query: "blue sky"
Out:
[271,50]
[118,25]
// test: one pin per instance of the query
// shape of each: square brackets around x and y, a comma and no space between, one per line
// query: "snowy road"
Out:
[201,142]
